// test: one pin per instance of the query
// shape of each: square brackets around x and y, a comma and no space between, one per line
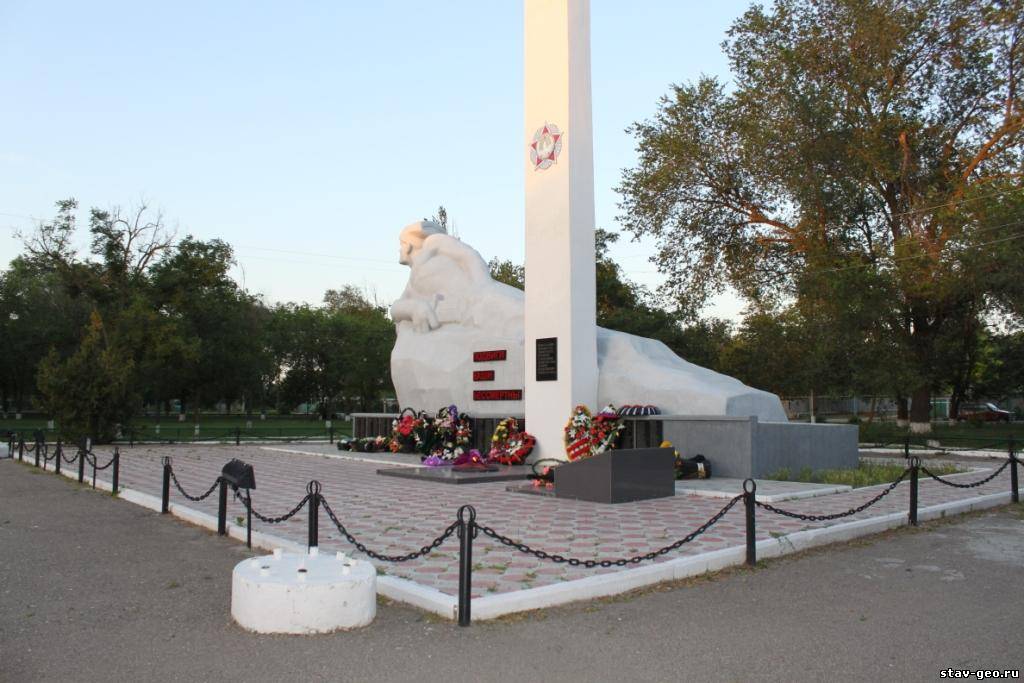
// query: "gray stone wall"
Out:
[744,447]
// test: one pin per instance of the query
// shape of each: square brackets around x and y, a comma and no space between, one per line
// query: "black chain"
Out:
[68,460]
[271,520]
[91,459]
[838,515]
[388,558]
[194,498]
[966,486]
[621,562]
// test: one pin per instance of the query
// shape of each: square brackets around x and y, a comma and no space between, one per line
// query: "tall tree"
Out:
[878,135]
[90,392]
[217,344]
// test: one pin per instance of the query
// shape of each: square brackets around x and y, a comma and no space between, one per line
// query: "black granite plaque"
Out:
[547,359]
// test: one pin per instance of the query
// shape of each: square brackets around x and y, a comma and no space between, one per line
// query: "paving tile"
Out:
[397,516]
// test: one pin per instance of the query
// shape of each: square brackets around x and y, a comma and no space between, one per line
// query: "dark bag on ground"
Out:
[696,467]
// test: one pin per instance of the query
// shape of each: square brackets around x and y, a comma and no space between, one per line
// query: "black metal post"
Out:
[117,470]
[38,444]
[21,447]
[131,438]
[94,462]
[906,447]
[749,502]
[238,435]
[248,519]
[165,500]
[59,453]
[313,489]
[915,464]
[331,431]
[1014,487]
[466,532]
[81,464]
[222,508]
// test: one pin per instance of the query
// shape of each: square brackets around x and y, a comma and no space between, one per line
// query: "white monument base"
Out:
[290,593]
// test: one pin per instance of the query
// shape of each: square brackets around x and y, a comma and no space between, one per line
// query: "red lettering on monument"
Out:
[484,356]
[498,395]
[483,375]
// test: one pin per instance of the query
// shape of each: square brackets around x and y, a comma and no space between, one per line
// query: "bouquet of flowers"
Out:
[453,433]
[366,444]
[605,430]
[509,445]
[408,432]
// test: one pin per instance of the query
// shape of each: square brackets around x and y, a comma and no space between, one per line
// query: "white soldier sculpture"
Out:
[451,307]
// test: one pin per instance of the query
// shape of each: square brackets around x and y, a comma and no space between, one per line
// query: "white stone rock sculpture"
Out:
[451,308]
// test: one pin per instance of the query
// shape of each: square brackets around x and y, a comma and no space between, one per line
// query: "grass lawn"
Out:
[211,427]
[961,435]
[866,474]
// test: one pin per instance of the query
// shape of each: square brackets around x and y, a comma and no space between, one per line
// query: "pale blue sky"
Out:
[307,134]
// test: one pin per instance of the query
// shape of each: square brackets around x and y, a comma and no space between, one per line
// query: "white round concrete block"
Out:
[293,593]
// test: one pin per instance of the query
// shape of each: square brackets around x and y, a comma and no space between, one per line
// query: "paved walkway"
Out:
[396,516]
[96,589]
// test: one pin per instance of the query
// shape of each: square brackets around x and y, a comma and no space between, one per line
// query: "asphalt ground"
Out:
[93,588]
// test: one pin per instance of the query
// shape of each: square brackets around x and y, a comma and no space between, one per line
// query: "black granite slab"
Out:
[446,475]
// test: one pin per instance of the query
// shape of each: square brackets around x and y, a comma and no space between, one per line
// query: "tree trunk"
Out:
[921,411]
[902,412]
[955,400]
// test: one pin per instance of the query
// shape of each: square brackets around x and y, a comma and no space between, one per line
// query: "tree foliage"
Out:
[869,152]
[90,391]
[163,323]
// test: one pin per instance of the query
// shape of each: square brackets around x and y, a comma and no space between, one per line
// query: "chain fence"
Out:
[194,499]
[838,515]
[240,477]
[972,484]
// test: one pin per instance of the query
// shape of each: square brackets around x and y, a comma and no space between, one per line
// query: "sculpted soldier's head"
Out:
[412,237]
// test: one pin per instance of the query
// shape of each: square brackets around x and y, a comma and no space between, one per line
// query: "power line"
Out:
[898,259]
[959,201]
[307,253]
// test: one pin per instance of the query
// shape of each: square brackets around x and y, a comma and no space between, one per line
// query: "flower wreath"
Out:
[587,435]
[509,445]
[577,433]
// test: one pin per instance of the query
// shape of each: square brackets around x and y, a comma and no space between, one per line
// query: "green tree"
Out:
[90,392]
[511,274]
[216,339]
[336,356]
[874,135]
[36,315]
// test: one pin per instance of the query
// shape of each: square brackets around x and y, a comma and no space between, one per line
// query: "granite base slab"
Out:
[446,475]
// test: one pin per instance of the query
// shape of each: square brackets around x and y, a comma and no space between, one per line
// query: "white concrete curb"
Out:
[587,588]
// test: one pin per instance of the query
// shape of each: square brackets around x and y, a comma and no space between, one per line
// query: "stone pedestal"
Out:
[291,593]
[619,476]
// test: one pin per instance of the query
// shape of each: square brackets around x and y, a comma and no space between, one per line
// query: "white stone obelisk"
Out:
[560,271]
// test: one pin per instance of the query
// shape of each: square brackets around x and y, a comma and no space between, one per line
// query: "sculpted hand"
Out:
[424,319]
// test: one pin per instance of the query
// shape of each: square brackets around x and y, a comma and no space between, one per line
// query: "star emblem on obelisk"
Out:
[546,146]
